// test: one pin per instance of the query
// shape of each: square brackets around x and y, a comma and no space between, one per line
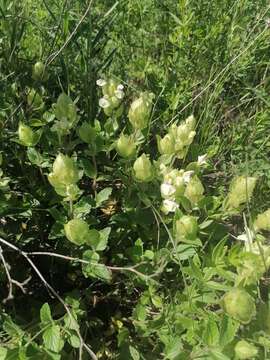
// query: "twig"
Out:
[12,281]
[48,286]
[112,268]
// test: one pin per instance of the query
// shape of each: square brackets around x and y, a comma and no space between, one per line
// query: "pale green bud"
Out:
[166,144]
[26,135]
[77,231]
[194,190]
[115,102]
[140,111]
[65,110]
[241,191]
[251,268]
[126,146]
[244,350]
[182,134]
[238,304]
[38,70]
[262,221]
[186,227]
[110,87]
[143,169]
[190,123]
[64,172]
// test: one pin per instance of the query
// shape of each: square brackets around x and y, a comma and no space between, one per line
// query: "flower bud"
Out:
[166,145]
[262,221]
[244,350]
[64,172]
[26,135]
[77,231]
[110,88]
[143,169]
[190,123]
[38,71]
[115,102]
[194,190]
[186,227]
[251,268]
[241,190]
[126,146]
[140,111]
[238,304]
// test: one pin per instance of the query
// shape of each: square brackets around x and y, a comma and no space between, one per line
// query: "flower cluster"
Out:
[178,138]
[143,169]
[241,190]
[113,94]
[178,183]
[140,111]
[126,146]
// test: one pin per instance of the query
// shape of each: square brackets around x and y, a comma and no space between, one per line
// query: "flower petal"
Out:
[101,82]
[104,103]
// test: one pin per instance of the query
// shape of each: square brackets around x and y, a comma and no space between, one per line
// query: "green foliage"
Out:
[130,228]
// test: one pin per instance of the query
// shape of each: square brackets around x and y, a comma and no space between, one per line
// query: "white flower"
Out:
[202,160]
[104,103]
[101,82]
[169,206]
[187,176]
[120,87]
[119,94]
[167,190]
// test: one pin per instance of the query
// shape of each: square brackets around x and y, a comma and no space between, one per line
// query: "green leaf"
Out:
[95,269]
[89,168]
[102,272]
[103,195]
[173,348]
[217,355]
[134,353]
[92,238]
[74,340]
[34,156]
[52,339]
[211,333]
[12,329]
[185,252]
[65,109]
[83,207]
[228,330]
[45,314]
[3,353]
[103,239]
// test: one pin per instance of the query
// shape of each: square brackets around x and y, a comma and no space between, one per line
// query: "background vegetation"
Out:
[152,295]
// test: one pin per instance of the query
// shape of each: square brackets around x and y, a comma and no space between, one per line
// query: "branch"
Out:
[48,286]
[12,281]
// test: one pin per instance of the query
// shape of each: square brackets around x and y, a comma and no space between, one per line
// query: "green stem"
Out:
[71,208]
